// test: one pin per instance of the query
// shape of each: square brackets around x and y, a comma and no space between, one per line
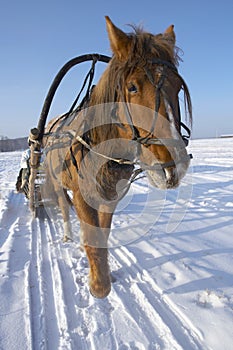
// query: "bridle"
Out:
[146,140]
[149,139]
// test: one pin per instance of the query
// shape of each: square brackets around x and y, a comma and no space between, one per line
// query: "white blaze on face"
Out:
[171,176]
[174,132]
[179,152]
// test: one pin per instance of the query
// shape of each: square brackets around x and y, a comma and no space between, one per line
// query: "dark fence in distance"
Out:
[226,136]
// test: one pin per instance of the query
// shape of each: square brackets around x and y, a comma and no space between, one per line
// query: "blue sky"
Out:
[38,37]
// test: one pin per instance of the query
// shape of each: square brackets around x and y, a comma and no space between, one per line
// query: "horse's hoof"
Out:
[100,293]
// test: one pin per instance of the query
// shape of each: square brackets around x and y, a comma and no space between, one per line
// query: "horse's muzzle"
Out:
[171,177]
[168,177]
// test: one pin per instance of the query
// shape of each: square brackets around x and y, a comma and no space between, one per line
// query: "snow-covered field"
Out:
[173,272]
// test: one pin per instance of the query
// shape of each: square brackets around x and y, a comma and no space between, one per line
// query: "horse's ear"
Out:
[169,34]
[119,41]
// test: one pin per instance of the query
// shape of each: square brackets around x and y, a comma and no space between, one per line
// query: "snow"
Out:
[171,257]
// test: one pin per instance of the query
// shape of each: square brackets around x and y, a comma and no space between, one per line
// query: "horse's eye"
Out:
[132,88]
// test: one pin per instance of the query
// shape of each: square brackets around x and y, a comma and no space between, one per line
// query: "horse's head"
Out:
[143,75]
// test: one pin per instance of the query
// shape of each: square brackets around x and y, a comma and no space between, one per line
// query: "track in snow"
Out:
[71,319]
[169,291]
[59,312]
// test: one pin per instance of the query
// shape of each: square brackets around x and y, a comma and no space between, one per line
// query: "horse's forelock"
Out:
[144,47]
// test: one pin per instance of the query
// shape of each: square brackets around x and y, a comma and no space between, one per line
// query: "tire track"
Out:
[15,256]
[55,290]
[37,302]
[14,210]
[73,297]
[147,325]
[47,326]
[90,321]
[63,315]
[162,316]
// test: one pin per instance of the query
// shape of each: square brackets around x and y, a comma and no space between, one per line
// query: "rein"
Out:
[147,140]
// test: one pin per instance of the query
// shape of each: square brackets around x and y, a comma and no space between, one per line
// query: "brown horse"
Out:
[131,124]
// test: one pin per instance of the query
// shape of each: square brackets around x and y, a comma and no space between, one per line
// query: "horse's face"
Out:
[164,126]
[151,93]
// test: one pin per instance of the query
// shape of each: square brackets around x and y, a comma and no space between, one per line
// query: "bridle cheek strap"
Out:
[159,89]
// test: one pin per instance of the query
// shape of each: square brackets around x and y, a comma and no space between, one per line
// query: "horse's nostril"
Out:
[171,177]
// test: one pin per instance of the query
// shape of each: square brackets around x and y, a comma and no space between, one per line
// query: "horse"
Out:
[130,123]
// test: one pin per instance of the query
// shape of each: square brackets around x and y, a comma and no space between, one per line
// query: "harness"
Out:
[147,140]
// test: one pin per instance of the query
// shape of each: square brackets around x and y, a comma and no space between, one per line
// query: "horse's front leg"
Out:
[95,245]
[99,276]
[95,229]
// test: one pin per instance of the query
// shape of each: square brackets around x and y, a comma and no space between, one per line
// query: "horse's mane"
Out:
[145,47]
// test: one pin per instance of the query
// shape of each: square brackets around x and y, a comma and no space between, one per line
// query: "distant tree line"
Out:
[10,145]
